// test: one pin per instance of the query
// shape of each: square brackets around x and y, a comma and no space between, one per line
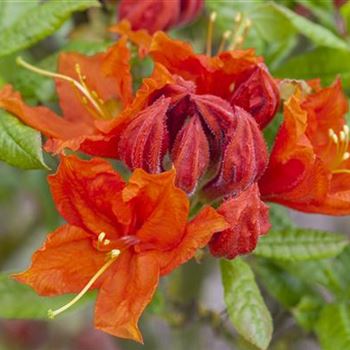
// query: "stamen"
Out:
[113,256]
[224,39]
[212,20]
[346,156]
[341,141]
[79,85]
[106,242]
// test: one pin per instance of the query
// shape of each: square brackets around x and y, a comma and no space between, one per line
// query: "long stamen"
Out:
[224,39]
[113,256]
[212,20]
[78,85]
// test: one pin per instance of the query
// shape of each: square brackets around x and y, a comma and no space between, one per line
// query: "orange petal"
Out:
[91,68]
[125,293]
[140,37]
[41,118]
[161,207]
[116,64]
[59,267]
[88,195]
[198,233]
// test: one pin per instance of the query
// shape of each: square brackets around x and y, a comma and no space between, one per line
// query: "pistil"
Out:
[112,256]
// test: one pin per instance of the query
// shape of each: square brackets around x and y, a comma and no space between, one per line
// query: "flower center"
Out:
[341,142]
[89,98]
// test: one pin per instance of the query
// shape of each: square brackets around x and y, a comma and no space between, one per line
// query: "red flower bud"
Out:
[156,15]
[257,92]
[249,219]
[145,140]
[190,154]
[244,157]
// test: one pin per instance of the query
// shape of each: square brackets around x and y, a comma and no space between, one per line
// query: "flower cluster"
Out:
[192,136]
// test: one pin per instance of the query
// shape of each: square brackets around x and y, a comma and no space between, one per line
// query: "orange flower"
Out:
[309,167]
[119,239]
[238,76]
[91,89]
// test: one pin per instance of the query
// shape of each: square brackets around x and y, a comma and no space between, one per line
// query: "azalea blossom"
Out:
[156,15]
[309,167]
[119,238]
[92,90]
[201,120]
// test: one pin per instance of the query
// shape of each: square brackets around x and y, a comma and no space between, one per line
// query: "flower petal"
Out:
[244,160]
[65,263]
[144,141]
[248,218]
[88,195]
[190,154]
[162,209]
[198,233]
[41,118]
[125,293]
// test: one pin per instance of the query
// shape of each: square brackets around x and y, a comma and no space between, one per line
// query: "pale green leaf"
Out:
[322,63]
[333,327]
[300,244]
[18,301]
[290,21]
[308,311]
[245,304]
[20,145]
[38,23]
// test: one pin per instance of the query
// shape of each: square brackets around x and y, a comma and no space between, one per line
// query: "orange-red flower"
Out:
[119,238]
[248,218]
[309,167]
[91,90]
[156,15]
[237,76]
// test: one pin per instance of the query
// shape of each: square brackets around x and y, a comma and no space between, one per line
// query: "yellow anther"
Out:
[238,17]
[335,138]
[342,136]
[80,86]
[106,242]
[346,129]
[224,38]
[101,237]
[346,156]
[113,255]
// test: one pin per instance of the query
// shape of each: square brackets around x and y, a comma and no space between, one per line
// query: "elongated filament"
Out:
[113,256]
[81,87]
[212,20]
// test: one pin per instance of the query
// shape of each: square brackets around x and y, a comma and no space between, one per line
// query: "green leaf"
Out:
[38,23]
[333,327]
[279,217]
[307,312]
[285,288]
[322,63]
[288,22]
[18,301]
[245,304]
[20,145]
[300,244]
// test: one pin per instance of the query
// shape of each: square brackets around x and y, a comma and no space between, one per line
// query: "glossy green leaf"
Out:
[322,63]
[300,244]
[38,23]
[333,327]
[18,301]
[20,145]
[245,304]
